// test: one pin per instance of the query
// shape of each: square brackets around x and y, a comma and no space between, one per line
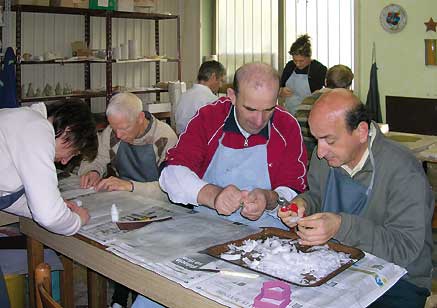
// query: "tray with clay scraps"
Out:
[277,253]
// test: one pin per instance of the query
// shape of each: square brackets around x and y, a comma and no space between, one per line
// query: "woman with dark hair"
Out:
[32,139]
[301,76]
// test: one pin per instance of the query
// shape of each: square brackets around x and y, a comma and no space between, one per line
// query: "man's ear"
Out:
[141,117]
[363,131]
[232,95]
[213,77]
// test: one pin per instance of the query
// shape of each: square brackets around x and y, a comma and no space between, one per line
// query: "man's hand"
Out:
[82,212]
[287,216]
[254,203]
[228,200]
[318,228]
[90,179]
[114,184]
[285,92]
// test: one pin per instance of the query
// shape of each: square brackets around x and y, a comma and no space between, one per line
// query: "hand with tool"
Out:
[254,203]
[230,199]
[227,200]
[291,212]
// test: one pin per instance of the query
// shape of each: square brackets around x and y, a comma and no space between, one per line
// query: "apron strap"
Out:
[8,200]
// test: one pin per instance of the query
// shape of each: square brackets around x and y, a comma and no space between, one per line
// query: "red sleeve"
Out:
[287,153]
[198,143]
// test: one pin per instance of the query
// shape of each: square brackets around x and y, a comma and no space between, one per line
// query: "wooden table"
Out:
[415,142]
[100,264]
[6,218]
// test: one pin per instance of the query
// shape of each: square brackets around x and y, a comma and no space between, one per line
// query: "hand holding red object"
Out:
[290,207]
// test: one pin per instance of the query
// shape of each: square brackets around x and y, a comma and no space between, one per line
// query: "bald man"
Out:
[239,154]
[369,192]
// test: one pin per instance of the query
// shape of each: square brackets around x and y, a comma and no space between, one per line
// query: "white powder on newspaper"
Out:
[282,258]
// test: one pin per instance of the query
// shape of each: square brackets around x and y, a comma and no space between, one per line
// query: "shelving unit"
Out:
[109,62]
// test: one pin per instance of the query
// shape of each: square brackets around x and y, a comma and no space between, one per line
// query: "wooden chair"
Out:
[43,287]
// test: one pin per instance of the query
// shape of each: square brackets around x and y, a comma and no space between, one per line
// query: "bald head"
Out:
[340,124]
[256,76]
[341,103]
[254,95]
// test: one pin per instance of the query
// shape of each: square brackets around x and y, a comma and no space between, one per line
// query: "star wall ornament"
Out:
[430,25]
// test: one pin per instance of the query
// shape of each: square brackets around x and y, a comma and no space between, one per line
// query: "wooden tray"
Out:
[355,253]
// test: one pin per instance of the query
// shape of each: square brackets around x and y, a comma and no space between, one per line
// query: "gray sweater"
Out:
[396,225]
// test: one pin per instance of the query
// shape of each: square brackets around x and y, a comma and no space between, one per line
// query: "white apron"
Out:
[247,169]
[299,84]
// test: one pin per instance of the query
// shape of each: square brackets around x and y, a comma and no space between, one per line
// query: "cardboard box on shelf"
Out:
[31,2]
[125,5]
[82,4]
[110,5]
[145,6]
[145,3]
[157,107]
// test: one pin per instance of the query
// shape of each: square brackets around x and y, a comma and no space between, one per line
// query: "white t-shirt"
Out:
[189,102]
[27,151]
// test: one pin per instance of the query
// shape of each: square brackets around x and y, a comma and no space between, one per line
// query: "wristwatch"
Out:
[281,202]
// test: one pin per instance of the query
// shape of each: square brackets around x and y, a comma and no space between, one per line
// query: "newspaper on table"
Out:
[69,186]
[175,244]
[101,229]
[181,236]
[357,286]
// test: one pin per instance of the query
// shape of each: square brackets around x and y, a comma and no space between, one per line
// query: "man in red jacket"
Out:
[239,154]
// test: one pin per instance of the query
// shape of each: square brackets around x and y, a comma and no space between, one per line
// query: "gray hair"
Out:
[339,76]
[126,104]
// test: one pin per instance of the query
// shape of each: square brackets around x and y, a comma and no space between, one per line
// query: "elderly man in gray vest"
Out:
[134,145]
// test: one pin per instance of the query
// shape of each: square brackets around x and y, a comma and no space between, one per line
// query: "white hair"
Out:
[127,104]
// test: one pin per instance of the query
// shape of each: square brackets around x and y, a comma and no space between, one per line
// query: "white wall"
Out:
[400,56]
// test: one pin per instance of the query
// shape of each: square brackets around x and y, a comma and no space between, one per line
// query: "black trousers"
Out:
[402,295]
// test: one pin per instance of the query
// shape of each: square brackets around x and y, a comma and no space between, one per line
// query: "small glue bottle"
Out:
[114,213]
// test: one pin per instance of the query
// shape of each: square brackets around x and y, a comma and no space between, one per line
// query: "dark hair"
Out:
[355,116]
[301,47]
[74,117]
[339,76]
[208,68]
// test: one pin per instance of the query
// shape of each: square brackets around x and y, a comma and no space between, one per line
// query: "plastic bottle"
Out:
[114,213]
